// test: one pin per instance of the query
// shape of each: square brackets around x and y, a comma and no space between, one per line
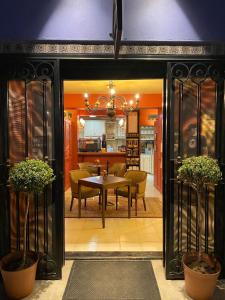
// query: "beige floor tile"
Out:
[128,246]
[169,289]
[51,289]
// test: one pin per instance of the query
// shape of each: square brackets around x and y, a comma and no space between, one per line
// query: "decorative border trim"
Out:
[63,48]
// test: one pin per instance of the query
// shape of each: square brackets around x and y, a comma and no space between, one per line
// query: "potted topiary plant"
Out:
[18,268]
[200,269]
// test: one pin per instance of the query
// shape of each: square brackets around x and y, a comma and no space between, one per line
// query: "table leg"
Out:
[79,200]
[129,200]
[103,208]
[106,199]
[99,171]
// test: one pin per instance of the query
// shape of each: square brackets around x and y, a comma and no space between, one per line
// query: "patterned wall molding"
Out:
[107,49]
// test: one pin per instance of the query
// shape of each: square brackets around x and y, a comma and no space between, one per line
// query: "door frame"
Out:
[76,67]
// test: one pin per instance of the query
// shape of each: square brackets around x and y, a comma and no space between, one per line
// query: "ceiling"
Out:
[145,86]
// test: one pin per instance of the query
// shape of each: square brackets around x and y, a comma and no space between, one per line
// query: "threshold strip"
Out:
[109,255]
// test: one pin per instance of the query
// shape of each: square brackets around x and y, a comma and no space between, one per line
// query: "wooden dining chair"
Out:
[86,192]
[88,166]
[138,185]
[117,169]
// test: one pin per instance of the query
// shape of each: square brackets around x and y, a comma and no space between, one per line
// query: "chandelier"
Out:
[112,102]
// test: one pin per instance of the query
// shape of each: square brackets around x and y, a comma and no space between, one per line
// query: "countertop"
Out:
[101,153]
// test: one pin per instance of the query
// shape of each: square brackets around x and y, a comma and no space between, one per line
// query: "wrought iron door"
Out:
[31,127]
[194,126]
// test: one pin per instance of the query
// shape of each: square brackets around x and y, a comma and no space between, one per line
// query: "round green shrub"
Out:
[31,175]
[199,170]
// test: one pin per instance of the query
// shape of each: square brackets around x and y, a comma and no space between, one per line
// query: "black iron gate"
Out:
[195,125]
[31,127]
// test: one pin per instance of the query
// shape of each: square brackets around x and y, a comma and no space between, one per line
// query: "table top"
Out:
[109,181]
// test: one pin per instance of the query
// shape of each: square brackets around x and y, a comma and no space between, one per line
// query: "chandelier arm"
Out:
[122,99]
[104,98]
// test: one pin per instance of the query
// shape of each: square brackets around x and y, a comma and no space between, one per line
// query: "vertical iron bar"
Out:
[196,225]
[45,156]
[35,222]
[206,219]
[17,221]
[188,219]
[199,119]
[26,120]
[180,125]
[178,217]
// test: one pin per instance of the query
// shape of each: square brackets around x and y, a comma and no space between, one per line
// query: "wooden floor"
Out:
[135,234]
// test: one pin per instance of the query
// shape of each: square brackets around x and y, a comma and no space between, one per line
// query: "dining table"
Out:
[103,183]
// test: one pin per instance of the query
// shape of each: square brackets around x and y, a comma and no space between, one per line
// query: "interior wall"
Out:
[74,103]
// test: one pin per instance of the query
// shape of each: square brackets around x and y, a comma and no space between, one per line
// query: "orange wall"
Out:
[72,101]
[144,116]
[75,104]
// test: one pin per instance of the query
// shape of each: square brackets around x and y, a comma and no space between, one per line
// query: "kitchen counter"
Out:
[112,157]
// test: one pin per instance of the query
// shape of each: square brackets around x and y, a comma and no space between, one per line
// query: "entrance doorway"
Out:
[92,136]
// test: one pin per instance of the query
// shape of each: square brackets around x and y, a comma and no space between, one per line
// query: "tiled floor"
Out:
[53,290]
[135,234]
[118,235]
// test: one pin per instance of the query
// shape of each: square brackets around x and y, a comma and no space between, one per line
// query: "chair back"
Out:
[137,177]
[75,175]
[118,169]
[87,166]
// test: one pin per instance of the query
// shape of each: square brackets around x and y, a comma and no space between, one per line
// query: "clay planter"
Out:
[197,285]
[19,284]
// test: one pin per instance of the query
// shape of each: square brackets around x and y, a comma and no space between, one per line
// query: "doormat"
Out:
[93,210]
[112,280]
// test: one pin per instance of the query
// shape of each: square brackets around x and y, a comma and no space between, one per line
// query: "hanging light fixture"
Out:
[112,102]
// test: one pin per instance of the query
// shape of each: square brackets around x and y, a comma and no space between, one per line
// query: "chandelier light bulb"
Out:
[131,102]
[85,95]
[137,96]
[112,91]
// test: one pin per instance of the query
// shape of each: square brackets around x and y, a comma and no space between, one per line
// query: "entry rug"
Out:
[112,280]
[153,208]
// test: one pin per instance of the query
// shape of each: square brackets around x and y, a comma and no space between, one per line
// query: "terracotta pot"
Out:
[197,285]
[19,284]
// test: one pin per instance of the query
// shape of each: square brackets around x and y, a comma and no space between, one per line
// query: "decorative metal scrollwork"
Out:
[197,72]
[32,70]
[25,71]
[44,71]
[180,71]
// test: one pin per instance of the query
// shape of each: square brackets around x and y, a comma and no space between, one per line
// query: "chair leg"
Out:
[144,203]
[106,199]
[135,206]
[71,204]
[85,202]
[116,200]
[99,199]
[131,203]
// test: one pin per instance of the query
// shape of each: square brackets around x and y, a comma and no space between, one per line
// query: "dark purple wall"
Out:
[174,20]
[150,20]
[55,19]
